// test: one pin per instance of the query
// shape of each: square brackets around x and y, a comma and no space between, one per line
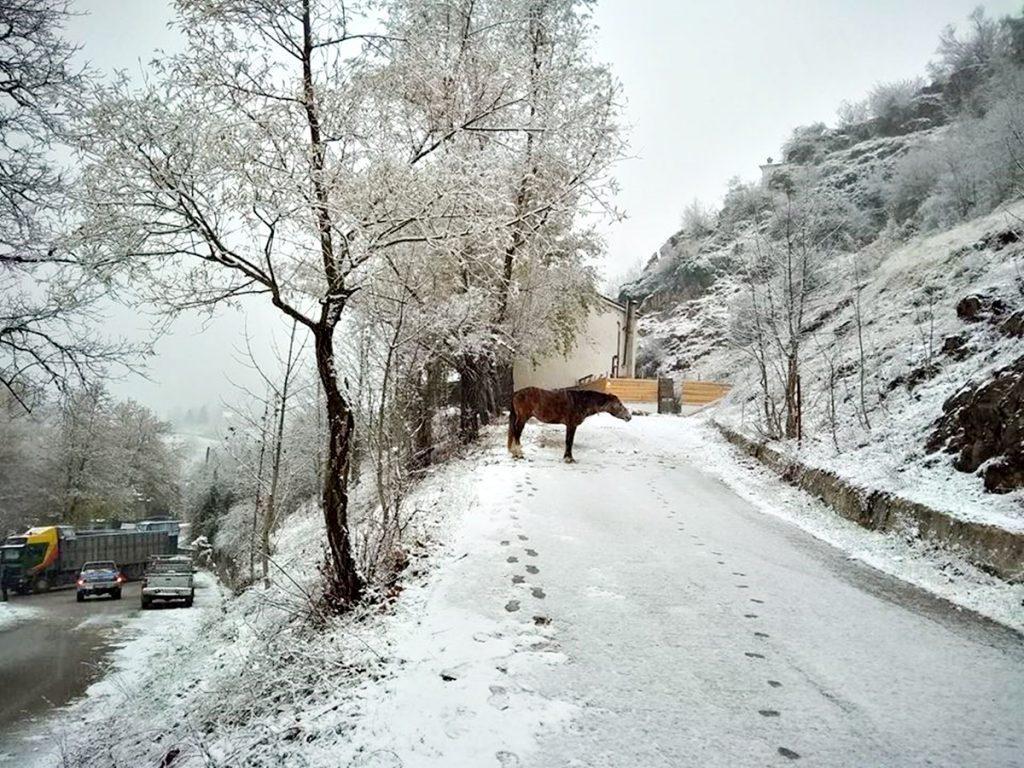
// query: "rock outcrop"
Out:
[984,426]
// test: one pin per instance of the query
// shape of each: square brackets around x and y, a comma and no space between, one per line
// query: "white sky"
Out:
[713,87]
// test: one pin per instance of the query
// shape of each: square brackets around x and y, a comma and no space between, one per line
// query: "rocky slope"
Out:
[943,377]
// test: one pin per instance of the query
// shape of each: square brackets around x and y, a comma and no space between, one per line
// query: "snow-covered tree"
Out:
[966,60]
[48,294]
[295,151]
[109,459]
[522,287]
[789,273]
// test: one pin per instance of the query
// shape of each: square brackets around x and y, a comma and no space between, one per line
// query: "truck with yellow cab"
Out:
[50,556]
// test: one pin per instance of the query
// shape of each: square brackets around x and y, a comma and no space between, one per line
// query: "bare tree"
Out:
[796,238]
[48,295]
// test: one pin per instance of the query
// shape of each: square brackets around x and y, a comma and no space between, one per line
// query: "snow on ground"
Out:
[12,614]
[145,663]
[601,614]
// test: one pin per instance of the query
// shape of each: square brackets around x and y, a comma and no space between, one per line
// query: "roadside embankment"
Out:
[991,548]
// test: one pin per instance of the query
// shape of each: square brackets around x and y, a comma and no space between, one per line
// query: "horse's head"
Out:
[615,407]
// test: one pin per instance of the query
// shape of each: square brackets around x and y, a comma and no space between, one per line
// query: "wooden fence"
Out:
[647,390]
[627,390]
[702,392]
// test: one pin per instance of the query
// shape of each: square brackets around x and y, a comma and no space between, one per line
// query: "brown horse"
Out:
[558,406]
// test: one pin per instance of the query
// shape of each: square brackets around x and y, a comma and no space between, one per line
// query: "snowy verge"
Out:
[933,569]
[263,679]
[12,614]
[996,550]
[145,663]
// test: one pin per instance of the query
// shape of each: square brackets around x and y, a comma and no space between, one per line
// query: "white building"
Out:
[605,348]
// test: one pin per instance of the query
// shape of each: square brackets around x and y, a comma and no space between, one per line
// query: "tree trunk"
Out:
[430,380]
[270,515]
[469,424]
[259,489]
[344,586]
[503,387]
[479,399]
[792,397]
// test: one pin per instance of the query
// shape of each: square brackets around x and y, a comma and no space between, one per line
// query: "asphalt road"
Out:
[53,655]
[705,633]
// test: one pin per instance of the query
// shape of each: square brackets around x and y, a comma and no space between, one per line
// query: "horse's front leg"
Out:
[515,435]
[570,433]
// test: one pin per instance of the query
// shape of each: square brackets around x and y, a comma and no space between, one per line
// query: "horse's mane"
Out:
[590,398]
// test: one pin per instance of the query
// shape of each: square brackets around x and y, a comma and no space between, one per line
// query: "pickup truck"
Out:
[168,578]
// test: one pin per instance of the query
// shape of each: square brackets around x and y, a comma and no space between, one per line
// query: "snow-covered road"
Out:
[633,610]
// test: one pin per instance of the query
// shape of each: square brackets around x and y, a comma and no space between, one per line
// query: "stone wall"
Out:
[993,549]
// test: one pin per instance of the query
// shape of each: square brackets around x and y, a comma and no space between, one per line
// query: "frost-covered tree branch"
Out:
[49,295]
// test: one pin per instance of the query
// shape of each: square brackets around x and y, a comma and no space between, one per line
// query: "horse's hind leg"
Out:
[520,426]
[570,434]
[515,431]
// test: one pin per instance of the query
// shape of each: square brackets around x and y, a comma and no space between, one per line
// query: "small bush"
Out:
[913,180]
[806,145]
[698,221]
[891,105]
[853,113]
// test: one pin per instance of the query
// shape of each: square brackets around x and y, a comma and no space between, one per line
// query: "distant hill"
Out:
[905,342]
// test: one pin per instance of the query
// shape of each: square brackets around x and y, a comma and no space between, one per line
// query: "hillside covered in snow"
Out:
[865,296]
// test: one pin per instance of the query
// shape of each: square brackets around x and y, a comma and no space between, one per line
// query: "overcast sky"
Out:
[713,87]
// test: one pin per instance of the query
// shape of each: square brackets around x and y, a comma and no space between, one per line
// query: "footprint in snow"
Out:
[523,538]
[379,758]
[755,600]
[749,615]
[774,683]
[769,712]
[532,569]
[541,621]
[789,753]
[544,646]
[507,759]
[761,634]
[457,723]
[538,593]
[531,552]
[751,654]
[512,559]
[498,698]
[518,579]
[505,543]
[512,606]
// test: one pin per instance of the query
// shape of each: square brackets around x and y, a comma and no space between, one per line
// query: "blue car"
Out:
[100,578]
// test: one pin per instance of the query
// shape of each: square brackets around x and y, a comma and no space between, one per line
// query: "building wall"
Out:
[602,336]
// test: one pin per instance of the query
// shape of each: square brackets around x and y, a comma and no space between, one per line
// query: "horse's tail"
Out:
[511,420]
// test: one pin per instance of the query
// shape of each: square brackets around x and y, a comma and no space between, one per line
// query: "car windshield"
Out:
[10,554]
[98,567]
